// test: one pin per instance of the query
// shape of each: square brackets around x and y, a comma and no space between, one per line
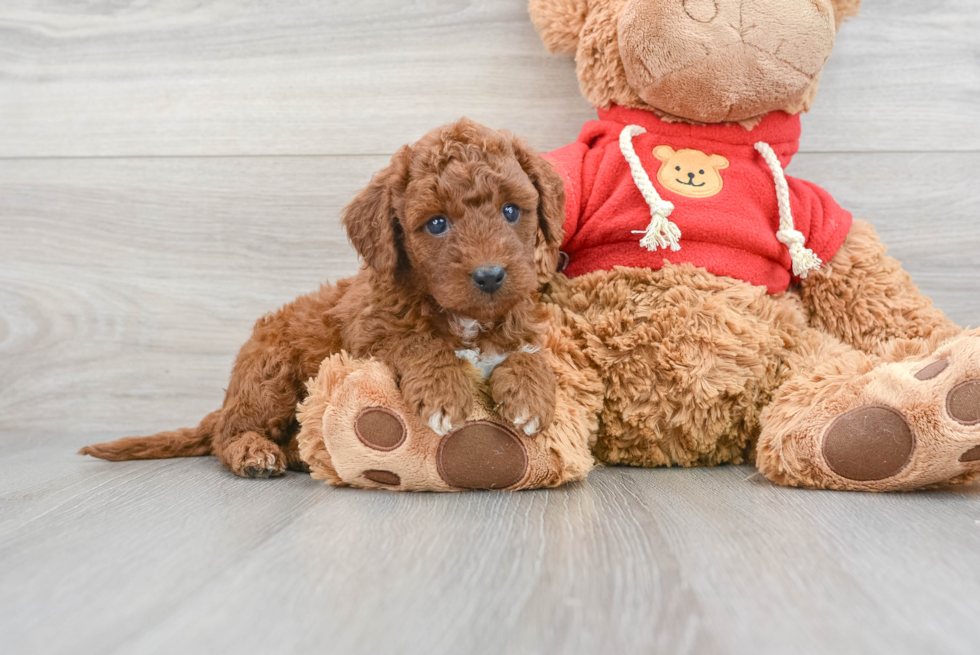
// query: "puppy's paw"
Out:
[443,398]
[254,456]
[524,389]
[441,424]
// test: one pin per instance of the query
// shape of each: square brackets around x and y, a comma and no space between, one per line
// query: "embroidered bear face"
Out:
[690,172]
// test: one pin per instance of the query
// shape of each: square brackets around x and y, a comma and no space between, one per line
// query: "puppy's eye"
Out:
[677,167]
[437,226]
[512,213]
[701,171]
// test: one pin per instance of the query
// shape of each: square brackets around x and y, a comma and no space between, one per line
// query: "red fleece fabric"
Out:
[732,233]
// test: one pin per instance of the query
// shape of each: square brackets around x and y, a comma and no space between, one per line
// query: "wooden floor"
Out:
[171,170]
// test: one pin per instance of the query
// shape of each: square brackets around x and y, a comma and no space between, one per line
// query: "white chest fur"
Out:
[486,362]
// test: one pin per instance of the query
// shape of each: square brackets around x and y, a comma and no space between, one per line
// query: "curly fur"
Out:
[702,370]
[688,359]
[405,305]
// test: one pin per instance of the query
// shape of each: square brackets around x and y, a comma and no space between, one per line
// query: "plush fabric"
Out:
[724,60]
[850,380]
[699,60]
[732,233]
[679,367]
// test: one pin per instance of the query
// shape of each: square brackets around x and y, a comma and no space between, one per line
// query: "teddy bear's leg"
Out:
[688,360]
[847,419]
[864,297]
[357,431]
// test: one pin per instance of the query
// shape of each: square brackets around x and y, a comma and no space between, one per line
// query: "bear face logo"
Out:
[690,172]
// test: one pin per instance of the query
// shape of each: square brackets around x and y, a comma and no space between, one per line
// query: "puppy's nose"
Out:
[489,278]
[690,176]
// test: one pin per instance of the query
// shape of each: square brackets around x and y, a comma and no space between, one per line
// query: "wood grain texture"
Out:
[182,77]
[178,556]
[171,170]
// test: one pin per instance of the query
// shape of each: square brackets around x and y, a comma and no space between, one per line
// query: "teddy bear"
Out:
[710,309]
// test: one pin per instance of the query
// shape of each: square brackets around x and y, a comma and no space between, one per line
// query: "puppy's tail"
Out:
[186,442]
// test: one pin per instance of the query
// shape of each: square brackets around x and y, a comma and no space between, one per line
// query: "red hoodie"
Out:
[723,192]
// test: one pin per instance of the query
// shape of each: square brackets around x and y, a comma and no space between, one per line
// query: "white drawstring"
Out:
[661,233]
[804,259]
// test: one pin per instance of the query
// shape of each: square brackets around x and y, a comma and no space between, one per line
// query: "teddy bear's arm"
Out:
[866,299]
[818,216]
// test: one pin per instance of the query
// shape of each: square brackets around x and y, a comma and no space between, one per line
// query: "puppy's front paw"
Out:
[440,423]
[443,398]
[524,389]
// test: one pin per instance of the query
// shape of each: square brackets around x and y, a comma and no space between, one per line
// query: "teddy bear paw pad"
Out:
[963,402]
[871,442]
[971,455]
[380,428]
[932,371]
[386,478]
[482,455]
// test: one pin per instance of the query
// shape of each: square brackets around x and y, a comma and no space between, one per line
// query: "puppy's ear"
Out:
[371,219]
[551,207]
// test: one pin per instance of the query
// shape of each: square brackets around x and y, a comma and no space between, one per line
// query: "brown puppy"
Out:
[454,235]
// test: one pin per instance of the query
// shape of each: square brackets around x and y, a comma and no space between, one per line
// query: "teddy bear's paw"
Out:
[254,456]
[932,435]
[362,432]
[479,455]
[910,425]
[869,443]
[380,428]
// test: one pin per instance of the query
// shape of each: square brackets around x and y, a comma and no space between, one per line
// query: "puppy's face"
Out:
[470,228]
[471,213]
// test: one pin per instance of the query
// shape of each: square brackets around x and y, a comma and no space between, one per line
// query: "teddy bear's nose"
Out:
[683,76]
[690,176]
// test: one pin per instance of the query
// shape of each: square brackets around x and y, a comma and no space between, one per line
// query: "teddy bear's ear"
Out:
[559,23]
[844,9]
[663,153]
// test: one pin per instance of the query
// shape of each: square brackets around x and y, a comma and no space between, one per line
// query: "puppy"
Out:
[454,236]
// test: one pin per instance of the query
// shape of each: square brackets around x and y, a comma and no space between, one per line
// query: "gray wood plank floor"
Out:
[171,170]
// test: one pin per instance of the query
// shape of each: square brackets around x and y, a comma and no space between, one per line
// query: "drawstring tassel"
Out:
[661,233]
[804,259]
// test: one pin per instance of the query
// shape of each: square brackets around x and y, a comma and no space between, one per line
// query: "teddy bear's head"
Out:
[702,61]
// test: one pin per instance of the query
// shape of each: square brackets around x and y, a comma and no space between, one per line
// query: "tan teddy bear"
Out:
[713,309]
